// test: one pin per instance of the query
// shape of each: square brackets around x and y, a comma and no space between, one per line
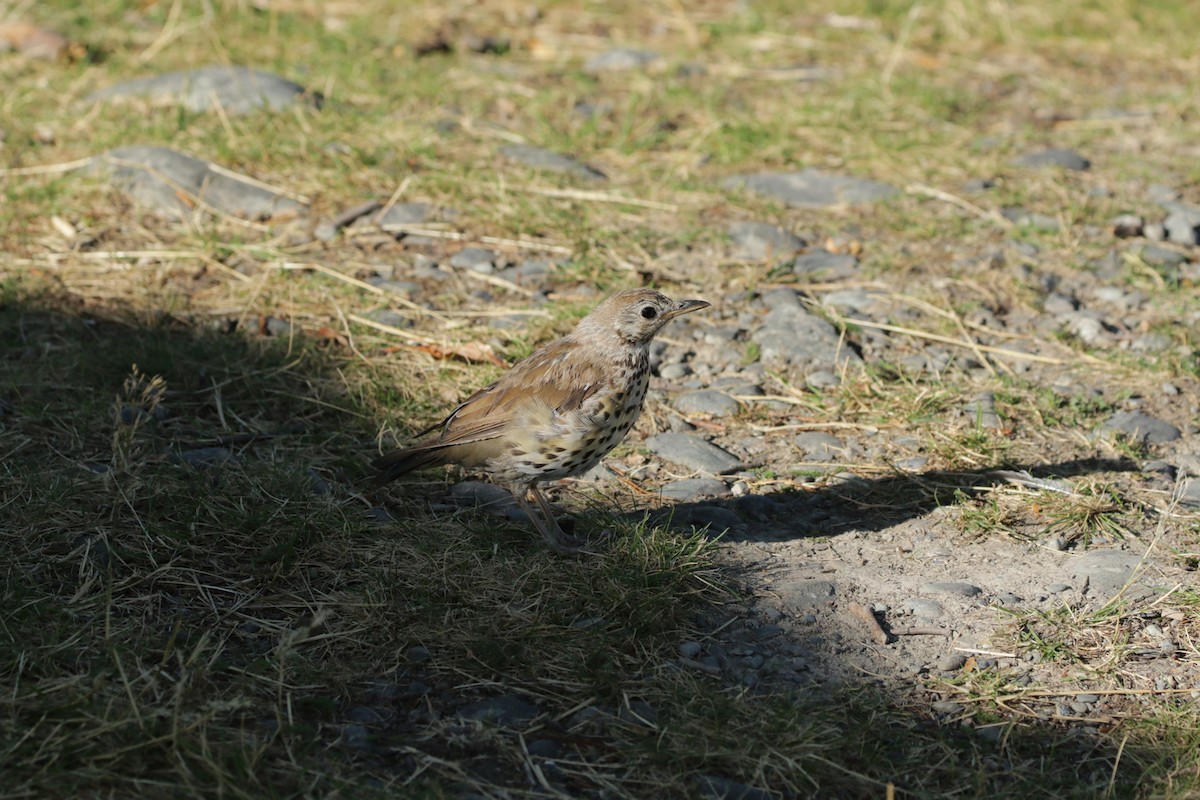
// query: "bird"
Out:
[557,412]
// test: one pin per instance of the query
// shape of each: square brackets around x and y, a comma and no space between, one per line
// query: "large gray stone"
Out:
[181,186]
[1053,157]
[1182,224]
[1140,427]
[236,90]
[693,452]
[541,158]
[824,265]
[691,489]
[802,592]
[1106,571]
[811,188]
[509,710]
[756,241]
[619,59]
[791,336]
[707,401]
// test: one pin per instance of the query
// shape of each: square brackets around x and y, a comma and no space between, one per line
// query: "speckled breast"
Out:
[591,433]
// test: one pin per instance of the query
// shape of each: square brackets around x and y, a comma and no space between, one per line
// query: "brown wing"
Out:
[554,378]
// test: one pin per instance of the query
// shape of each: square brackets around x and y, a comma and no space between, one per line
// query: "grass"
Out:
[202,596]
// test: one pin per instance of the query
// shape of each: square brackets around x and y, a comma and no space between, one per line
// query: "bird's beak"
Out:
[686,307]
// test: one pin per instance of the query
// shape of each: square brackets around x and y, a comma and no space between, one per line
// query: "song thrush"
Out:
[558,412]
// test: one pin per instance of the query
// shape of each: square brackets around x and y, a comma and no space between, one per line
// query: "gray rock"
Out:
[811,188]
[545,748]
[818,446]
[393,319]
[780,297]
[1182,224]
[325,231]
[692,489]
[855,301]
[1188,464]
[1053,157]
[1106,571]
[922,607]
[690,649]
[821,379]
[638,712]
[1151,343]
[356,737]
[714,519]
[1160,193]
[619,59]
[1058,588]
[1087,327]
[1188,493]
[380,516]
[370,715]
[541,158]
[235,90]
[948,707]
[1059,303]
[403,214]
[1140,427]
[982,411]
[801,592]
[417,654]
[715,787]
[488,498]
[951,662]
[1030,219]
[790,336]
[991,733]
[180,186]
[758,241]
[203,457]
[402,288]
[673,372]
[534,268]
[693,452]
[476,259]
[1160,256]
[1127,226]
[509,710]
[952,587]
[707,401]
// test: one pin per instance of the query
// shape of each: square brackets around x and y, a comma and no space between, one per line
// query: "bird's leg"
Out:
[547,525]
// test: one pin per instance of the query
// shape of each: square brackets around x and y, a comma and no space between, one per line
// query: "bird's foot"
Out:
[567,544]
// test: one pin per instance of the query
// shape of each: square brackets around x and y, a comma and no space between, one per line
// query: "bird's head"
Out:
[634,316]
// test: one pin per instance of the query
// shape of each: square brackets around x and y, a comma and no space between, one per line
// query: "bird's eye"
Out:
[649,312]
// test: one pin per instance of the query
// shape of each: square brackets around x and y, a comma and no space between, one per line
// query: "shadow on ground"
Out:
[868,504]
[198,600]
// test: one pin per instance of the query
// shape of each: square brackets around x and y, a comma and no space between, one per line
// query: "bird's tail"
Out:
[399,462]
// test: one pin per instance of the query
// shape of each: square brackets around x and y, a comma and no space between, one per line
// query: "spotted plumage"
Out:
[558,412]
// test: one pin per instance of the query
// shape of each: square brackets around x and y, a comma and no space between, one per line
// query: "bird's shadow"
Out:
[860,503]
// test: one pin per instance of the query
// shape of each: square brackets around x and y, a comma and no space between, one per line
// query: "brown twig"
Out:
[868,616]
